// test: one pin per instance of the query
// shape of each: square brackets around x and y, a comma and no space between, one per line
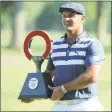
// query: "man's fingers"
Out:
[23,100]
[50,87]
[27,101]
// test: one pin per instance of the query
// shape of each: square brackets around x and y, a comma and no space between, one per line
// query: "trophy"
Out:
[36,84]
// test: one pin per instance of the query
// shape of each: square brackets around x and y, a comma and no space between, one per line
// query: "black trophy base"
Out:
[36,86]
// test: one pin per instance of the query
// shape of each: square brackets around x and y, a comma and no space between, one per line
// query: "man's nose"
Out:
[67,18]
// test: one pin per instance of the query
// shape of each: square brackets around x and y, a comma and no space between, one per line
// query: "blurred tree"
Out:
[6,13]
[18,26]
[15,15]
[46,16]
[101,20]
[49,17]
[103,10]
[90,19]
[32,11]
[5,5]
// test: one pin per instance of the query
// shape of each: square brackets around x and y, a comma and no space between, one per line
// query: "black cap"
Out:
[74,7]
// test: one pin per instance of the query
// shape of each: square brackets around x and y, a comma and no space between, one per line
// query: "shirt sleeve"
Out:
[95,54]
[50,65]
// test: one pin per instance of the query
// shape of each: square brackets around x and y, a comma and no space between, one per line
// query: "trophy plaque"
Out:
[36,84]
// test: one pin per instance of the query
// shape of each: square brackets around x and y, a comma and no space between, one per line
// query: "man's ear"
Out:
[82,19]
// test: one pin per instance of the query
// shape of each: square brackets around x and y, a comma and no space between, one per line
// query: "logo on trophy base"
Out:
[36,84]
[33,83]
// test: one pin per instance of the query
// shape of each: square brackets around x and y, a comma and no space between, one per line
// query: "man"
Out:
[75,63]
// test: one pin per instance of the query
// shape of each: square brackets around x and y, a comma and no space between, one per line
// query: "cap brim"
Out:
[68,9]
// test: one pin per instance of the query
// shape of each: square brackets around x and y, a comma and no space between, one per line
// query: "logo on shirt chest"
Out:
[76,52]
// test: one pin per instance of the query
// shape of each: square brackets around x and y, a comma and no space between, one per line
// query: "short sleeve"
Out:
[50,65]
[95,54]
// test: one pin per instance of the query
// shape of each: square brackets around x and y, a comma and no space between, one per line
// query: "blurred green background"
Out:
[18,19]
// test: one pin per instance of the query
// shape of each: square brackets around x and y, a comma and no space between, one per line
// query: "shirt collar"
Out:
[82,35]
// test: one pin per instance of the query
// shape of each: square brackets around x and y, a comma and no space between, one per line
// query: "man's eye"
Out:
[70,15]
[64,16]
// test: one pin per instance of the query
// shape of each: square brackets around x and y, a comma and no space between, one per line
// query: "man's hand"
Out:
[57,93]
[27,101]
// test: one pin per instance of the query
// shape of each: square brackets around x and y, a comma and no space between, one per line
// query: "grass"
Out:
[14,69]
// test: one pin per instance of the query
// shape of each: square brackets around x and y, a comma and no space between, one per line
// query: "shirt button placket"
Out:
[67,55]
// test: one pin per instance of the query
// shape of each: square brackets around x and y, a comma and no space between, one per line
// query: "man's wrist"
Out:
[63,89]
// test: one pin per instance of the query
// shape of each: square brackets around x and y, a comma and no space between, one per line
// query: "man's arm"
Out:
[50,68]
[51,72]
[94,60]
[85,79]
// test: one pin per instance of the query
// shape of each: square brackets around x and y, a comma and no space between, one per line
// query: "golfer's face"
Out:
[71,20]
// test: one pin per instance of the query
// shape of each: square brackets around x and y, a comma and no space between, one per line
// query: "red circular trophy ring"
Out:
[30,36]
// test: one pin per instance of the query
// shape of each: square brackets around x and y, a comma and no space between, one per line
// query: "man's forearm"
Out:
[80,82]
[50,72]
